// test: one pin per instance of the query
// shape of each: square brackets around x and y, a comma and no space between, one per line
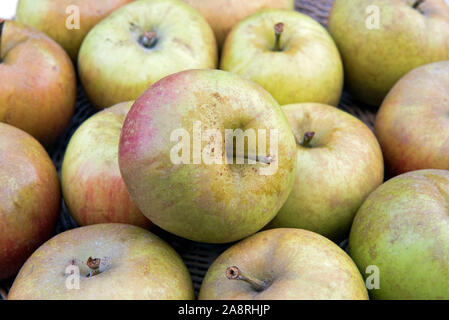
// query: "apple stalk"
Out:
[148,39]
[234,273]
[308,136]
[278,30]
[94,266]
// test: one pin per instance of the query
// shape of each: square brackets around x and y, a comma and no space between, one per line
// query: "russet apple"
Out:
[59,19]
[339,164]
[141,43]
[92,186]
[381,40]
[29,198]
[38,82]
[283,264]
[110,261]
[182,168]
[412,124]
[289,54]
[402,229]
[223,15]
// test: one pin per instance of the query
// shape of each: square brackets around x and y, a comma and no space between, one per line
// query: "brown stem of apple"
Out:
[278,30]
[2,24]
[234,273]
[308,136]
[94,266]
[418,3]
[148,39]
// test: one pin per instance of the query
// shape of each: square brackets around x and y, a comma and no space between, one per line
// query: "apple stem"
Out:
[234,273]
[308,136]
[418,3]
[278,30]
[148,39]
[94,266]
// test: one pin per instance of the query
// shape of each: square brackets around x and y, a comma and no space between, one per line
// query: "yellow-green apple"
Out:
[29,198]
[412,124]
[403,231]
[141,43]
[110,261]
[339,164]
[286,264]
[92,186]
[381,40]
[223,15]
[289,54]
[207,155]
[38,82]
[66,21]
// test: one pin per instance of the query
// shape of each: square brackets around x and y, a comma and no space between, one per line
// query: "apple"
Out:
[289,54]
[403,230]
[283,264]
[141,43]
[92,186]
[339,164]
[381,40]
[66,21]
[29,198]
[207,155]
[412,124]
[38,87]
[223,15]
[110,261]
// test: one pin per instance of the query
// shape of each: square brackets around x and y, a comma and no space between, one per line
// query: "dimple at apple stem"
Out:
[278,30]
[308,136]
[418,3]
[234,273]
[148,39]
[94,266]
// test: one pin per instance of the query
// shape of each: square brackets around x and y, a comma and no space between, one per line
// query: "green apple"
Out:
[286,264]
[403,230]
[66,21]
[412,124]
[223,15]
[381,40]
[141,43]
[29,198]
[93,188]
[182,168]
[37,82]
[110,261]
[339,164]
[289,54]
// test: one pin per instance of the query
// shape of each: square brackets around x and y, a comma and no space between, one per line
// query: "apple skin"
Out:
[412,124]
[223,15]
[50,17]
[307,69]
[402,228]
[92,185]
[29,198]
[297,264]
[342,165]
[112,59]
[214,203]
[376,59]
[140,266]
[39,95]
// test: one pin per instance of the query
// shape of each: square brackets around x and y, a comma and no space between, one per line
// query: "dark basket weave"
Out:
[197,256]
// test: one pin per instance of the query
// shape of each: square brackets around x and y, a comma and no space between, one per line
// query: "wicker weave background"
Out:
[197,256]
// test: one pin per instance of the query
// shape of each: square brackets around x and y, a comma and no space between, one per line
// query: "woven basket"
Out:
[197,256]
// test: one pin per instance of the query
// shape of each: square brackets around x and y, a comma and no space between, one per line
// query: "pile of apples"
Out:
[150,68]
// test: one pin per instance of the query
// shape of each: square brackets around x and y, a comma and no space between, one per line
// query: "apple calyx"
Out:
[418,3]
[94,266]
[308,136]
[2,24]
[148,39]
[234,273]
[278,30]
